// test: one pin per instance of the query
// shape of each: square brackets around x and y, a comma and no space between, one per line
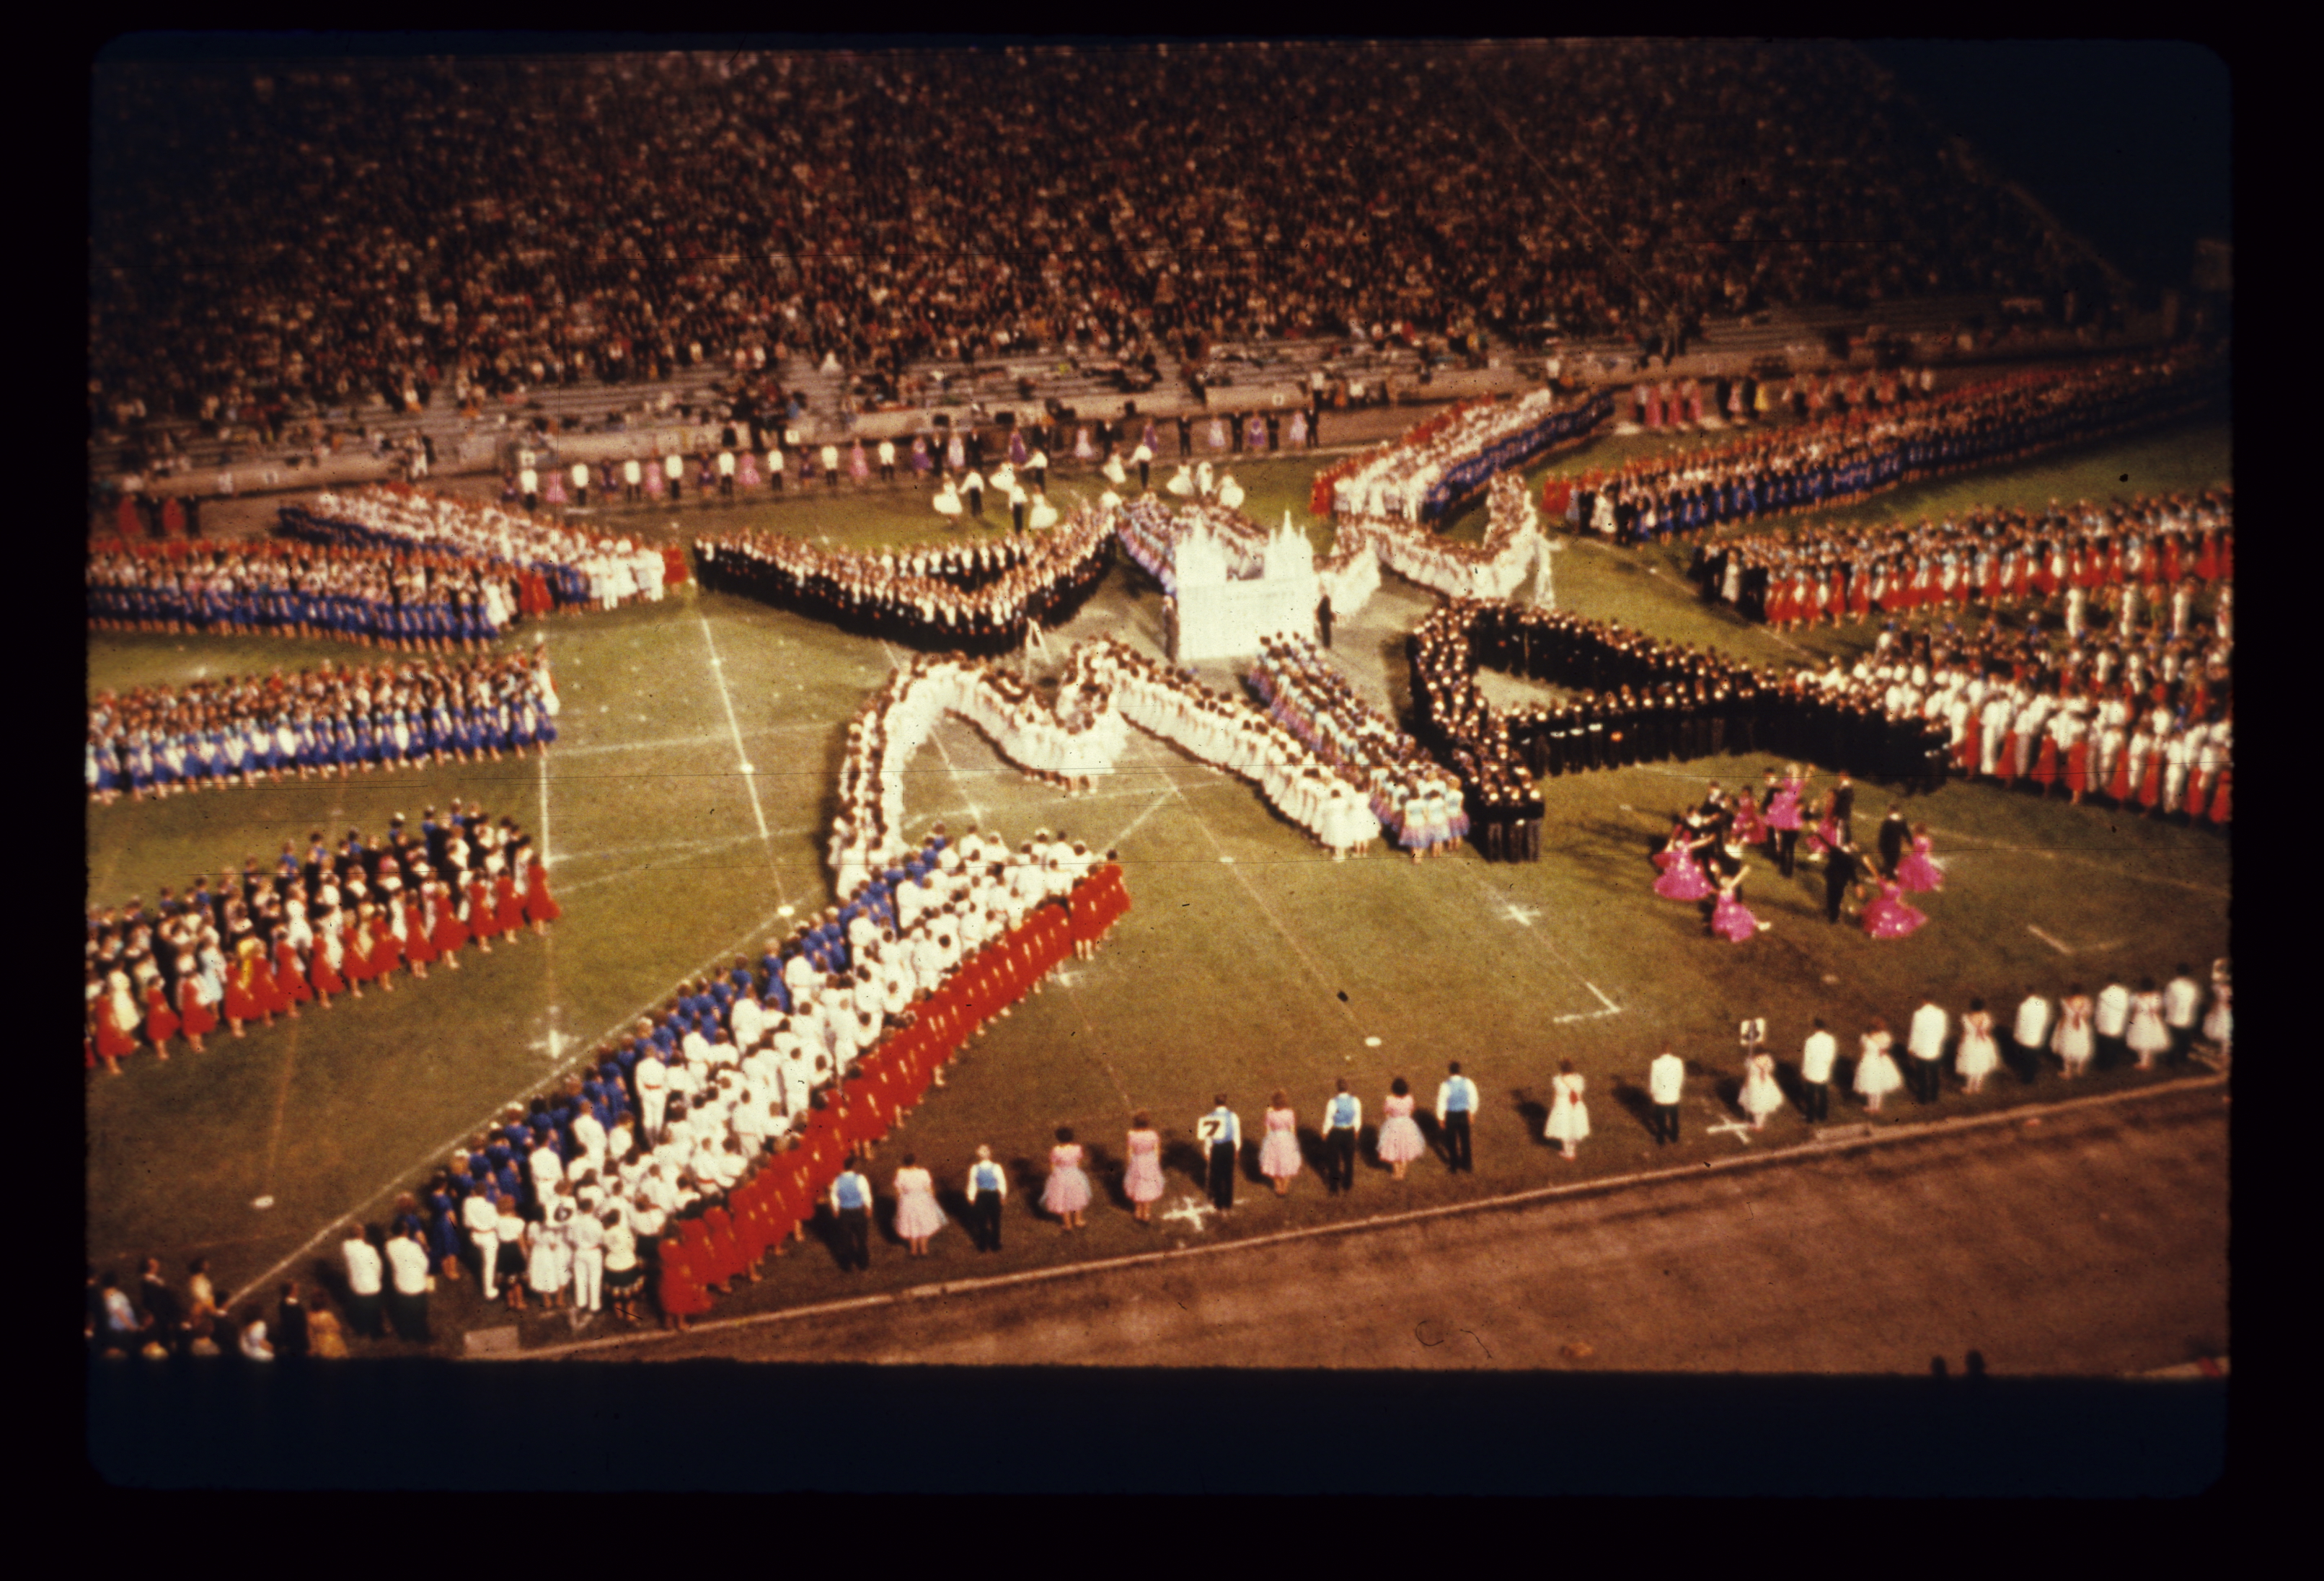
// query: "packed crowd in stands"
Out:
[1418,804]
[240,948]
[2127,563]
[427,601]
[553,564]
[327,721]
[1848,458]
[984,600]
[336,229]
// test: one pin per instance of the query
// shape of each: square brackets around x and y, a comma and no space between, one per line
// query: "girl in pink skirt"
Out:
[1278,1154]
[1730,920]
[1067,1194]
[1888,917]
[1400,1140]
[1918,874]
[1141,1182]
[1683,878]
[918,1215]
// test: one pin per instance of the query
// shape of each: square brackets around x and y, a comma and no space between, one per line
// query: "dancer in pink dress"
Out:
[1141,1182]
[1729,919]
[1067,1194]
[917,1215]
[1400,1140]
[1683,878]
[1917,874]
[1888,916]
[1783,817]
[1278,1153]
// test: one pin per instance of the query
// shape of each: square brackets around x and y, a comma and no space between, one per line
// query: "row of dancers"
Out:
[1704,856]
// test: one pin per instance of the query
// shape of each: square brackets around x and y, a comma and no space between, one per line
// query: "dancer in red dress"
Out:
[418,949]
[449,933]
[355,956]
[270,992]
[481,922]
[162,1022]
[290,972]
[681,1287]
[541,908]
[323,965]
[195,1019]
[241,1002]
[508,906]
[117,1021]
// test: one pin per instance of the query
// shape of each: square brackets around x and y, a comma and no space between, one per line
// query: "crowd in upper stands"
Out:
[272,230]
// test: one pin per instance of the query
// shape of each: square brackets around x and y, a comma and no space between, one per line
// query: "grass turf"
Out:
[1250,962]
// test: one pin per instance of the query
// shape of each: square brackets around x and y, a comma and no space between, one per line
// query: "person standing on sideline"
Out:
[291,1326]
[2072,1042]
[2110,1020]
[633,475]
[1067,1193]
[1762,1095]
[1221,1134]
[988,1188]
[917,1216]
[1400,1140]
[673,467]
[851,1204]
[1977,1056]
[2029,1034]
[1278,1147]
[1141,1182]
[586,1236]
[1343,1118]
[1925,1042]
[1665,1084]
[1569,1116]
[407,1264]
[1817,1056]
[2149,1033]
[1876,1075]
[363,1268]
[2182,1001]
[1456,1100]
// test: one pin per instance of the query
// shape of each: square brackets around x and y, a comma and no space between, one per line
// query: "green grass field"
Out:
[1250,961]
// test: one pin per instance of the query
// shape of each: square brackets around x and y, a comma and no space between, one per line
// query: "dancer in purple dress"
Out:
[1888,917]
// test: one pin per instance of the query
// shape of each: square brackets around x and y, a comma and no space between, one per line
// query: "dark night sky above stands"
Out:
[2126,141]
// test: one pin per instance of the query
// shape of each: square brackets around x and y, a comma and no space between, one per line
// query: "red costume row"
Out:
[703,1253]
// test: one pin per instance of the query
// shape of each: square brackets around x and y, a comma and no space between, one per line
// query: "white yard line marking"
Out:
[668,846]
[443,1149]
[1191,1210]
[2061,947]
[742,763]
[1611,1008]
[1561,1020]
[1741,1131]
[1522,916]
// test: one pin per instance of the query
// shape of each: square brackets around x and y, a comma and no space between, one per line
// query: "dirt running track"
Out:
[2092,1242]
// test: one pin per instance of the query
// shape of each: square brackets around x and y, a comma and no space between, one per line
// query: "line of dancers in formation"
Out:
[2147,561]
[983,602]
[241,948]
[686,1151]
[555,563]
[1687,402]
[1843,460]
[325,721]
[1490,569]
[1418,804]
[416,601]
[1703,860]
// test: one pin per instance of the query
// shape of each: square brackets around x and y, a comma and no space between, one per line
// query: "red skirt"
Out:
[242,1002]
[2078,767]
[417,945]
[540,905]
[2150,784]
[2045,765]
[290,976]
[482,922]
[269,991]
[680,1289]
[508,911]
[112,1043]
[451,933]
[194,1018]
[386,953]
[359,966]
[2219,800]
[2119,786]
[327,981]
[2007,759]
[161,1020]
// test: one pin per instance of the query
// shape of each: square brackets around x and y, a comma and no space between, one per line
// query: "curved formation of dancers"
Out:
[241,948]
[416,601]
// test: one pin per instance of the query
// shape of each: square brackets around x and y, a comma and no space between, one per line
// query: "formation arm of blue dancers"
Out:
[323,722]
[1847,459]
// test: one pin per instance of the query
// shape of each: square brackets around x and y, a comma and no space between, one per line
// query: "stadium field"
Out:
[1250,962]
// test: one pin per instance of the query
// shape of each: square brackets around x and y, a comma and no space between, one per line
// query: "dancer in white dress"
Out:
[917,1216]
[2072,1042]
[1569,1116]
[2149,1034]
[1876,1075]
[1978,1055]
[2219,1022]
[1400,1140]
[1762,1097]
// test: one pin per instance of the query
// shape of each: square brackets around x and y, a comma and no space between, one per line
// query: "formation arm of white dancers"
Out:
[1495,570]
